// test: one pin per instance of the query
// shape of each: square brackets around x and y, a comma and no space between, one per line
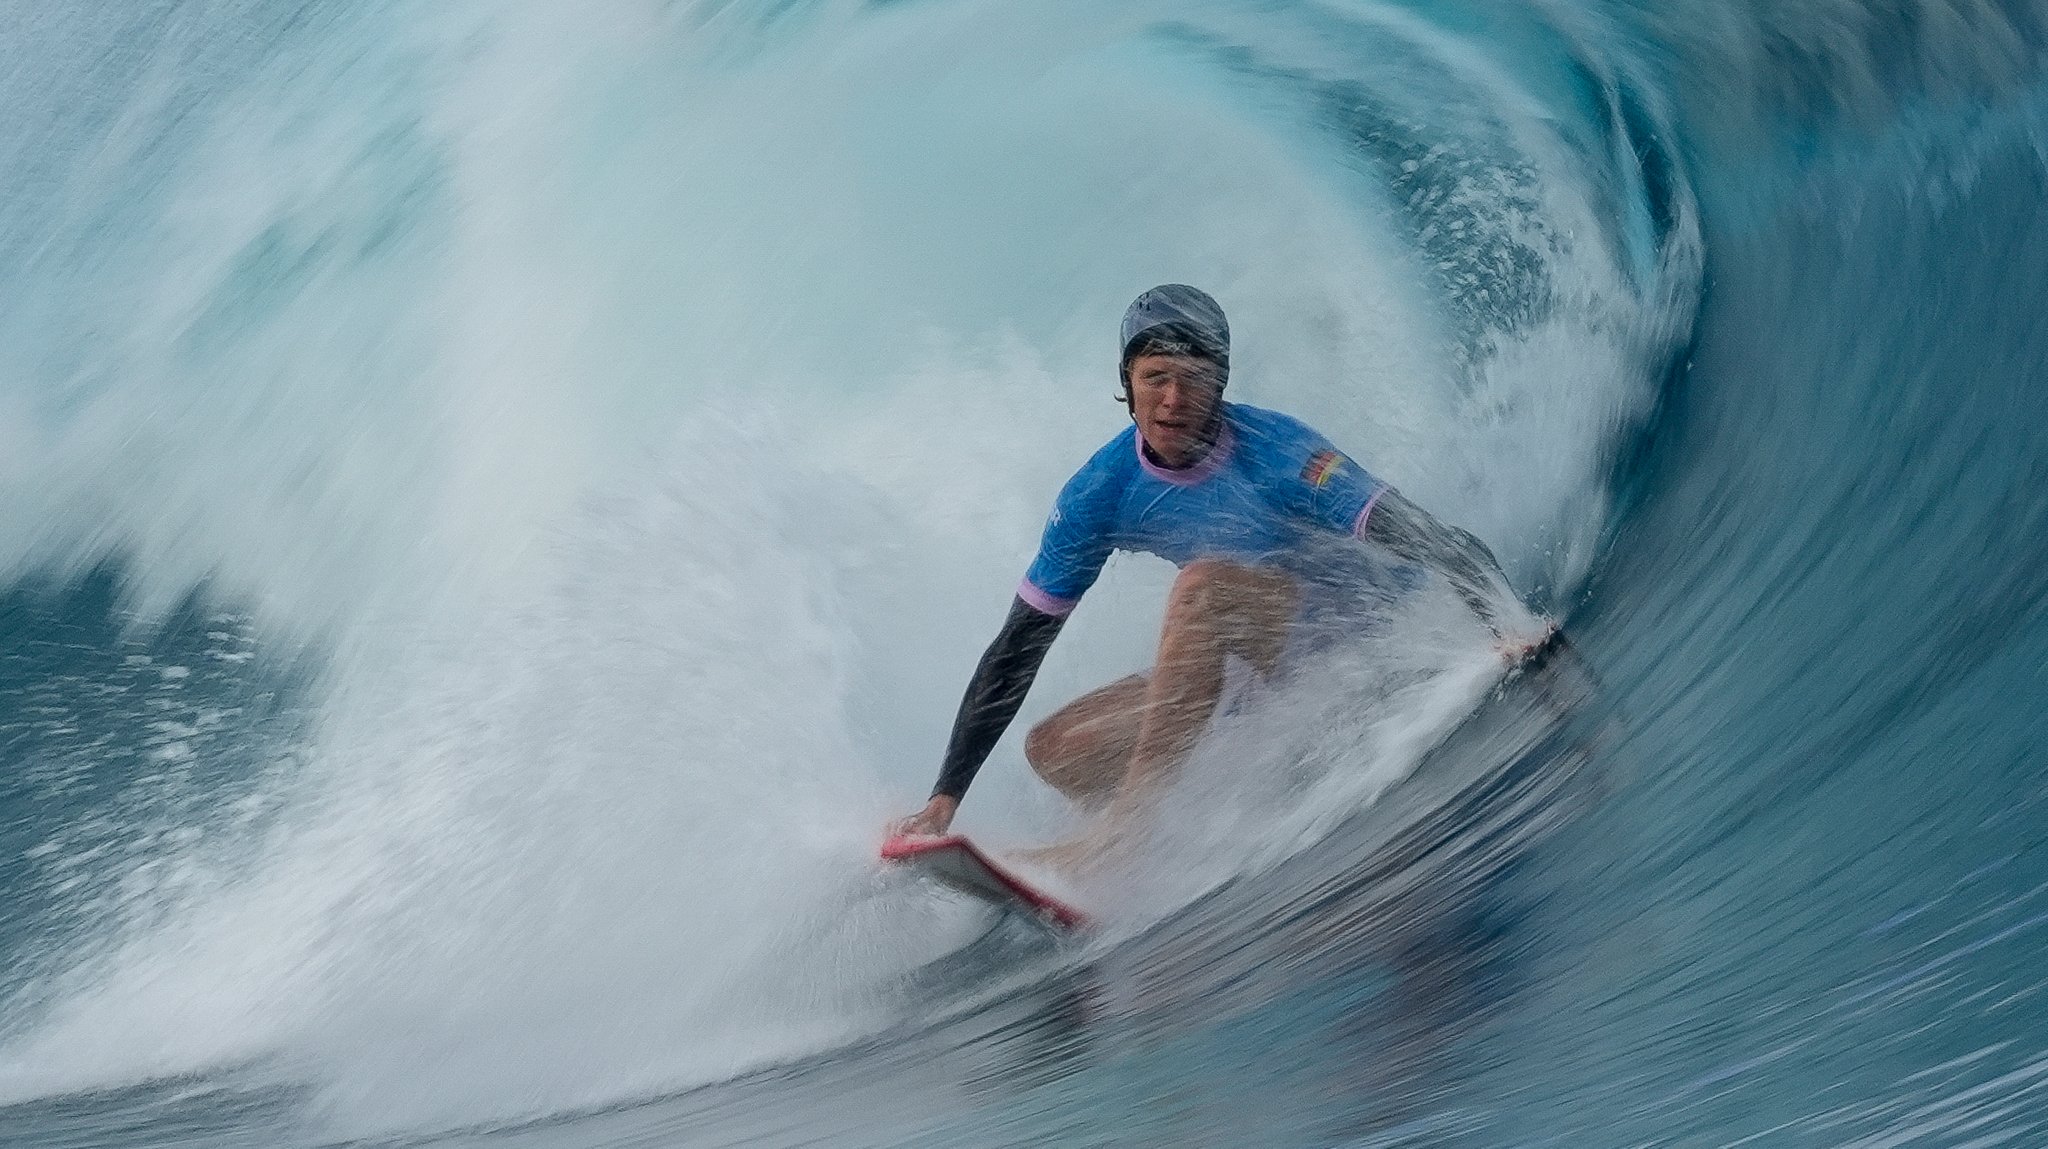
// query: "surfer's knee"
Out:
[1041,749]
[1052,757]
[1071,759]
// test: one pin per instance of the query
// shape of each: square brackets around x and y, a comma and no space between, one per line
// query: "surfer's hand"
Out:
[936,816]
[1515,648]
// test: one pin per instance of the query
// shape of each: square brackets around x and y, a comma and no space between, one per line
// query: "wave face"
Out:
[500,502]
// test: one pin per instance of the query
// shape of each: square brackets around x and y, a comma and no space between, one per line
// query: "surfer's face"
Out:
[1174,399]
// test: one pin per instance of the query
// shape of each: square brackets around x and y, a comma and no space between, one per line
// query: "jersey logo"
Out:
[1322,467]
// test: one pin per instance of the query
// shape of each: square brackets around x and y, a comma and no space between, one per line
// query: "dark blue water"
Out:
[123,739]
[320,824]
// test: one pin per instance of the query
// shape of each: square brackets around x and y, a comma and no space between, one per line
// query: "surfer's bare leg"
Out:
[1083,749]
[1116,741]
[1216,609]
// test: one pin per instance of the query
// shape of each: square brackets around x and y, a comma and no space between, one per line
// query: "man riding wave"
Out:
[1257,510]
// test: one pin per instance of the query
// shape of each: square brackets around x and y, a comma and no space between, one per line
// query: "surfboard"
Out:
[958,864]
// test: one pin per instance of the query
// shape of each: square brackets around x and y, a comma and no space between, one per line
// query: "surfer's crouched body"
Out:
[1247,503]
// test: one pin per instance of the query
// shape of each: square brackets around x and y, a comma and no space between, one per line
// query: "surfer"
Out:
[1256,509]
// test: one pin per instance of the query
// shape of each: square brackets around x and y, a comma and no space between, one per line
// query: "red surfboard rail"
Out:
[937,847]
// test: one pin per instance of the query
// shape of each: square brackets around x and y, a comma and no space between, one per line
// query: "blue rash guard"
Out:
[1270,492]
[1267,493]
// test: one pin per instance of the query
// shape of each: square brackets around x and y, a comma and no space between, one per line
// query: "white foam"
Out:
[655,491]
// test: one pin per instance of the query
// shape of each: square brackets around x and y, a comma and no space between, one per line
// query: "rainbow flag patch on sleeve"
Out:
[1321,466]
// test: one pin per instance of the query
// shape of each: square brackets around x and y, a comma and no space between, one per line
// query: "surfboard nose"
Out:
[958,864]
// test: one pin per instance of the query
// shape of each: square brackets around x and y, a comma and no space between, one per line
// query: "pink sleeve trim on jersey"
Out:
[1358,524]
[1044,603]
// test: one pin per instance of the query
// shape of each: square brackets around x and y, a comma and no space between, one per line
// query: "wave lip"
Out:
[623,411]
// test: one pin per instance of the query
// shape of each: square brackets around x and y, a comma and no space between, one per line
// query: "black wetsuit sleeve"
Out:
[995,693]
[1411,533]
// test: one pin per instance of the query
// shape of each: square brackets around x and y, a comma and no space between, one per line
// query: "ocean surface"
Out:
[498,501]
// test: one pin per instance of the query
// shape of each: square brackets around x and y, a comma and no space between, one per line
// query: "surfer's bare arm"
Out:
[993,696]
[1419,537]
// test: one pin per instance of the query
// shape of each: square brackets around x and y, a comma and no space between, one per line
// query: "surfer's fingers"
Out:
[918,824]
[1517,648]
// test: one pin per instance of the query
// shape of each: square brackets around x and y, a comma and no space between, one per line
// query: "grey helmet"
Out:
[1176,314]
